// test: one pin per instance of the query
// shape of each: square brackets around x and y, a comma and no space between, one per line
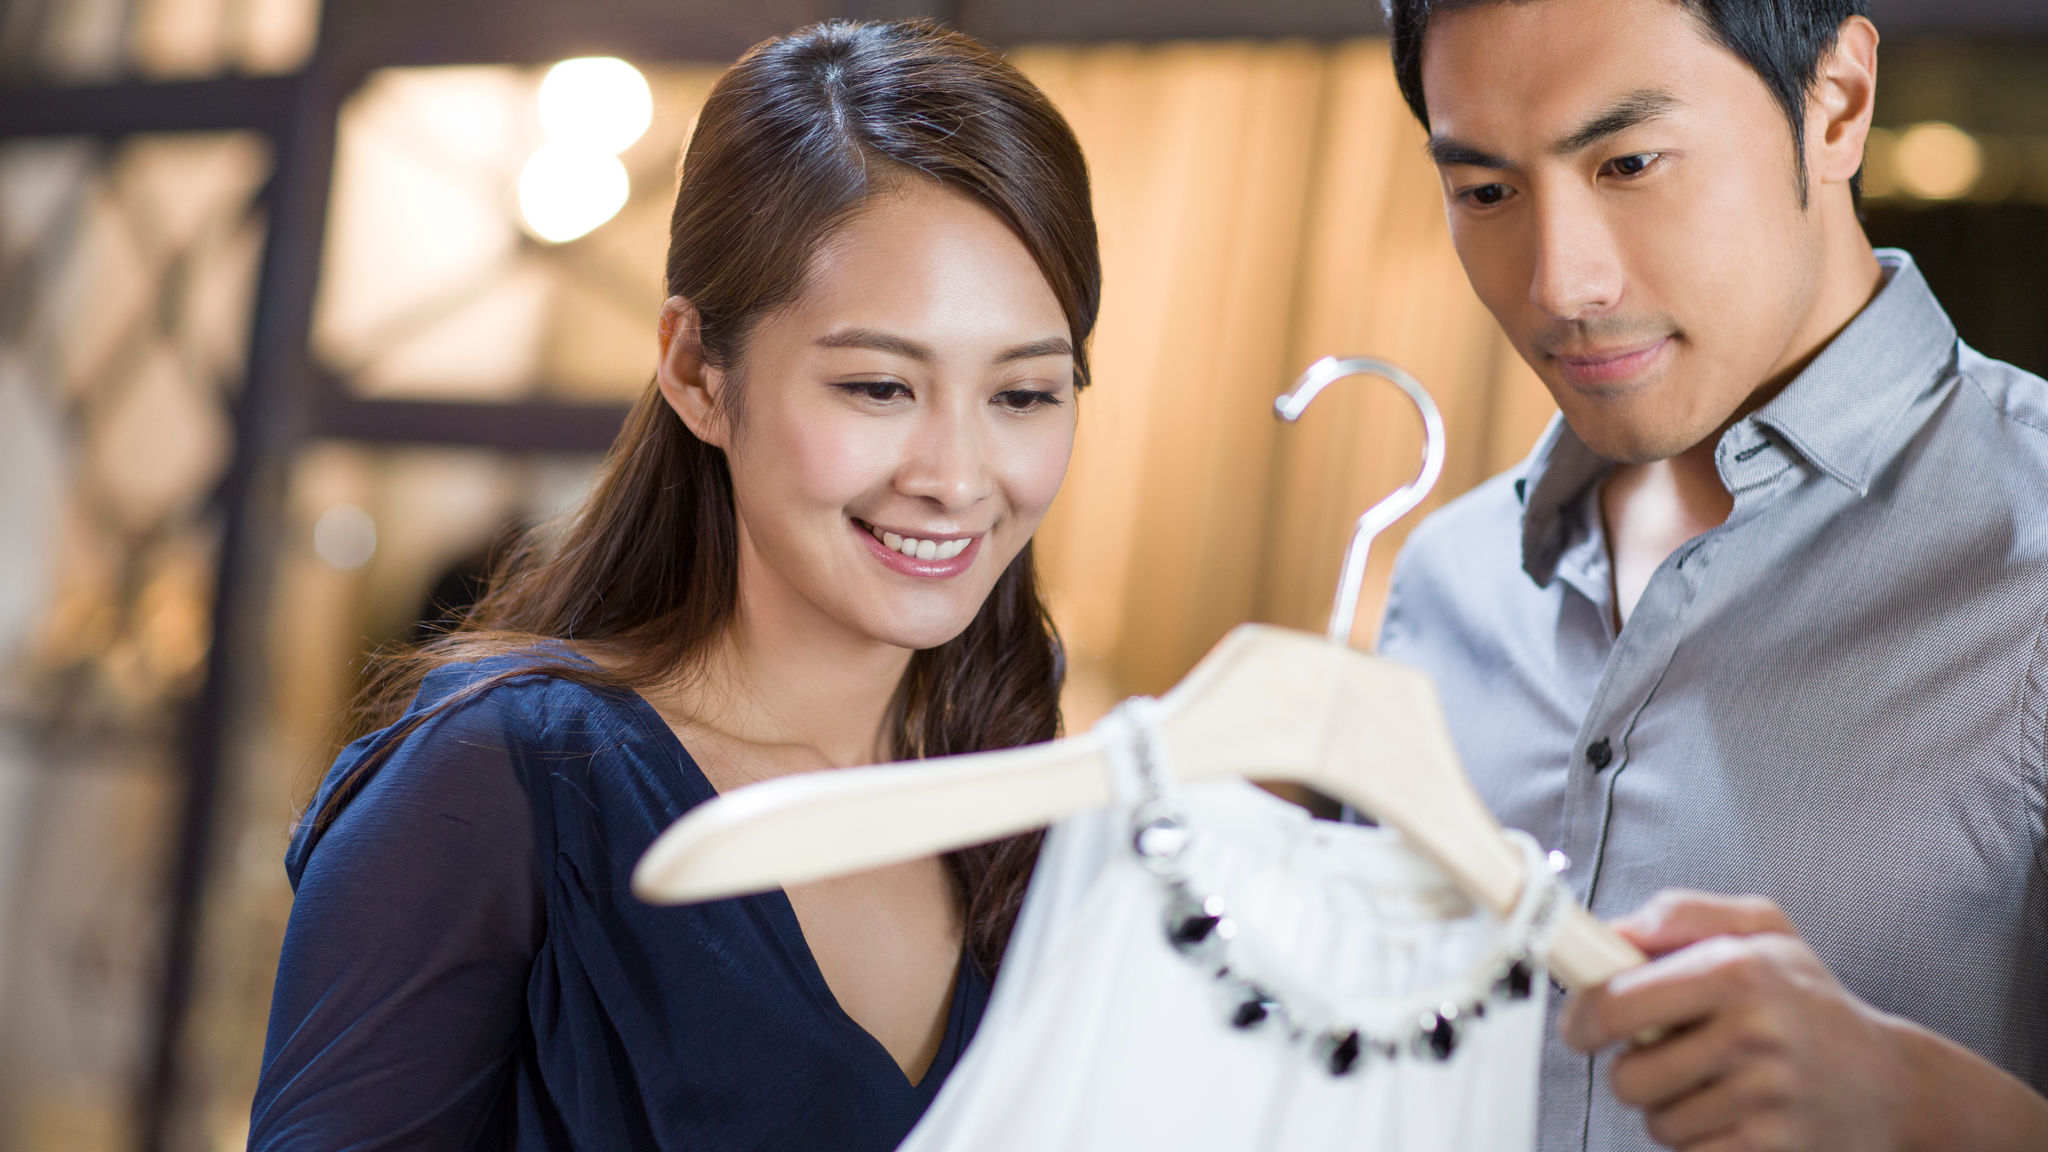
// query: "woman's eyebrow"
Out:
[1050,346]
[875,340]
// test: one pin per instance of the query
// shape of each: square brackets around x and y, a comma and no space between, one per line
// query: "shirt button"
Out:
[1599,754]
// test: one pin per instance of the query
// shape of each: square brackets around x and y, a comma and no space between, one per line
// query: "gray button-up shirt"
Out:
[1838,699]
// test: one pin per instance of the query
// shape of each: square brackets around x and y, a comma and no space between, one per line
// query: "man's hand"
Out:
[1760,1047]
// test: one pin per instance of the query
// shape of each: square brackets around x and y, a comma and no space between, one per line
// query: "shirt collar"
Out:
[1838,415]
[1555,475]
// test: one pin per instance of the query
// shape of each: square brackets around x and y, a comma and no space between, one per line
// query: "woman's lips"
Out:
[1611,367]
[936,566]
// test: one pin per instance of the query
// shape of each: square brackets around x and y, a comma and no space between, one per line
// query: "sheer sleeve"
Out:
[401,993]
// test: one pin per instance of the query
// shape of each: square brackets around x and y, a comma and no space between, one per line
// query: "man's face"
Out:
[1623,194]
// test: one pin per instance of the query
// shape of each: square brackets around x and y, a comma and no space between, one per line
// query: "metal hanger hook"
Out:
[1381,516]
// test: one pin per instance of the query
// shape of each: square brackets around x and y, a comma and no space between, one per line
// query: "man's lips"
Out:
[1609,365]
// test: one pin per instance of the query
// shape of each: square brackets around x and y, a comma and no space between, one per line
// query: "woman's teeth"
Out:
[921,549]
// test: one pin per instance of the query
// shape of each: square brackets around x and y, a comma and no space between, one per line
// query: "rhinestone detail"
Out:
[1198,927]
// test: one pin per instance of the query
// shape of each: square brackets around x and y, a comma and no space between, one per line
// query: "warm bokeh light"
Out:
[1937,161]
[597,102]
[345,537]
[566,190]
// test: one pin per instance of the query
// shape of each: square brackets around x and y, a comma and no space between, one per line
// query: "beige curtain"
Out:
[1261,205]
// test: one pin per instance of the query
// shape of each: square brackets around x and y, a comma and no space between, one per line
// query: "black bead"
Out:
[1252,1010]
[1195,924]
[1188,932]
[1439,1036]
[1342,1053]
[1518,982]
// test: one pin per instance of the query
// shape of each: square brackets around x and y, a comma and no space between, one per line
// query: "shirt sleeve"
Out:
[400,1001]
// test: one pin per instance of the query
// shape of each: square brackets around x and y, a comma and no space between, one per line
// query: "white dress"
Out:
[1102,1034]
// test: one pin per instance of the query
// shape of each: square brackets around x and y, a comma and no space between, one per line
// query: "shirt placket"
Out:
[1637,660]
[1639,656]
[1641,653]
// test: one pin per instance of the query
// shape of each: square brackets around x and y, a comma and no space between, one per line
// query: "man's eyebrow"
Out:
[1446,152]
[876,341]
[1633,109]
[1050,346]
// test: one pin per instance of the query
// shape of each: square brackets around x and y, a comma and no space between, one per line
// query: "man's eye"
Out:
[876,390]
[1634,164]
[1026,399]
[1486,195]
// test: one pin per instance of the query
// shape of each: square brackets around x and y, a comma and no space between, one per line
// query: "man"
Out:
[1767,609]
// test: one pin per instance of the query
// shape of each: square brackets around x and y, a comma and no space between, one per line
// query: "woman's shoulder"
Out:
[486,731]
[539,705]
[544,696]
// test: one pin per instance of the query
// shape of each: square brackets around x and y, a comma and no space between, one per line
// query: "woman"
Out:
[809,548]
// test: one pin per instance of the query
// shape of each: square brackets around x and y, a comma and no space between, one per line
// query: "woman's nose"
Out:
[947,461]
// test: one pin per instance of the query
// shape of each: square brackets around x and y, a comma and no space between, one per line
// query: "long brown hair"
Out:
[792,141]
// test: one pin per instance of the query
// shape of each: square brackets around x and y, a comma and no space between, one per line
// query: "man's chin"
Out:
[1631,438]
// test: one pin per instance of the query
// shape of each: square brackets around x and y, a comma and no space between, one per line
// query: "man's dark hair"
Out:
[1783,41]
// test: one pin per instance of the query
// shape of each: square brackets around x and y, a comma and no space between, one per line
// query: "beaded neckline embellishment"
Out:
[1199,927]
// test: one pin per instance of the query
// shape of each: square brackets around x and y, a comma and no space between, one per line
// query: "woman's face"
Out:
[901,427]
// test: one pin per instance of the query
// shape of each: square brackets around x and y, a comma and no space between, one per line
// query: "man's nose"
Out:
[1577,270]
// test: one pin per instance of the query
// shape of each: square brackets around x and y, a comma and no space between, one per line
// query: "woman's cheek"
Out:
[1039,465]
[836,459]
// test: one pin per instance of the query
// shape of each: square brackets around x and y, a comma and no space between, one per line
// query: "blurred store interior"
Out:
[301,311]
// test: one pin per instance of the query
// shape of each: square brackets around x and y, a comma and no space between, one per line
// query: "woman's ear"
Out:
[691,386]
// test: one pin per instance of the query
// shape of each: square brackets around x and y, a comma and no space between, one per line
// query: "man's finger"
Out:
[1676,918]
[1656,1075]
[1710,1114]
[1669,993]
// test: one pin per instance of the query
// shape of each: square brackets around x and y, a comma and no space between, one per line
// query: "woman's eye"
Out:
[1026,399]
[1634,164]
[879,391]
[1486,195]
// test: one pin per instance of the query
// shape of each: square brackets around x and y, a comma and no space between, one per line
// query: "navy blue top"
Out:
[466,966]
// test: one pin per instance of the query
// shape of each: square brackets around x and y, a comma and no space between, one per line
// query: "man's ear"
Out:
[692,387]
[1838,112]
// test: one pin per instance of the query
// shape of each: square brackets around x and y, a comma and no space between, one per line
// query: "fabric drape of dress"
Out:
[1099,1035]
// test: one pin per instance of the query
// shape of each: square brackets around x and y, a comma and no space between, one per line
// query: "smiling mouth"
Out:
[1606,355]
[915,547]
[1609,367]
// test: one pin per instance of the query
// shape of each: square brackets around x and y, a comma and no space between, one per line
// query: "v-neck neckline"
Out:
[784,922]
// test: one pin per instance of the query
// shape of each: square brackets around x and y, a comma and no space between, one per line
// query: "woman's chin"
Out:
[920,639]
[920,628]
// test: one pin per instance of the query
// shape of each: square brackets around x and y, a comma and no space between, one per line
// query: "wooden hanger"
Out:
[1266,703]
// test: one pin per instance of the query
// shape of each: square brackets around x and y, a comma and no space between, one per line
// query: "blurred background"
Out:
[302,310]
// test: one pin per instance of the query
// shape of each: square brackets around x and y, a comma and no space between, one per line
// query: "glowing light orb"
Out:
[345,537]
[596,102]
[1937,161]
[567,190]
